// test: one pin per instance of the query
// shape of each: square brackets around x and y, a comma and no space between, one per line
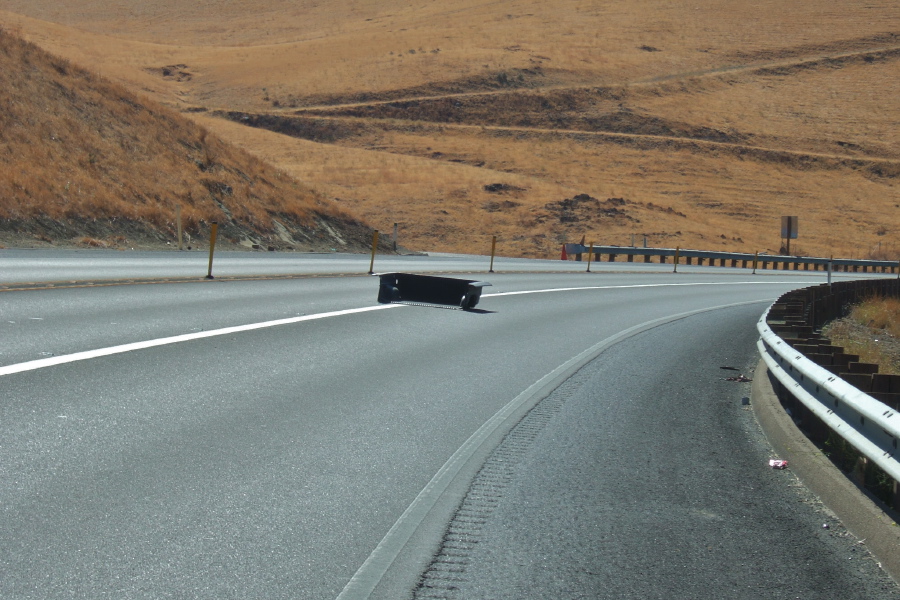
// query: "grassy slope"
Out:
[85,158]
[710,123]
[871,330]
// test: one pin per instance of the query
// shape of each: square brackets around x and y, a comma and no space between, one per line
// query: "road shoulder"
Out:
[857,511]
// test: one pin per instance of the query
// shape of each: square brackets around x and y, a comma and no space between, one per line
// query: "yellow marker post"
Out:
[493,251]
[755,260]
[212,247]
[374,247]
[590,256]
[677,254]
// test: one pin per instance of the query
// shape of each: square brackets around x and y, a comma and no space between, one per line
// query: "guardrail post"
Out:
[212,247]
[374,247]
[859,471]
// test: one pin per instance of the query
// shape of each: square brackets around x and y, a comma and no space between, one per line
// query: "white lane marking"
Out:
[89,354]
[642,285]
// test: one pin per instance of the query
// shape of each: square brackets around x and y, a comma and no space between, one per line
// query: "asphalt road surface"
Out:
[291,438]
[649,479]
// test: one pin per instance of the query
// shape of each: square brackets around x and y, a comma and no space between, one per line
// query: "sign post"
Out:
[789,227]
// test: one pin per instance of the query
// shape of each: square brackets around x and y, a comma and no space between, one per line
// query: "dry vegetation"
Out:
[88,162]
[538,122]
[871,330]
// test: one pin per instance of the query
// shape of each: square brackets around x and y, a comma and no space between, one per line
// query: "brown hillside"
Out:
[539,122]
[87,161]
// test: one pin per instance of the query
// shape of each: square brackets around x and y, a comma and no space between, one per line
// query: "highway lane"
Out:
[39,323]
[649,478]
[270,463]
[21,266]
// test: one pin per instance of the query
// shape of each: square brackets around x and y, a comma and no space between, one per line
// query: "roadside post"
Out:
[212,247]
[590,256]
[829,270]
[755,261]
[493,251]
[677,254]
[374,247]
[178,224]
[395,237]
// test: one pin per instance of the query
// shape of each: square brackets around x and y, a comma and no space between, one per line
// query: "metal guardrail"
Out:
[841,403]
[870,426]
[734,258]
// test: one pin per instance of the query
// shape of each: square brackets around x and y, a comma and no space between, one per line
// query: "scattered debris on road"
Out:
[777,463]
[739,378]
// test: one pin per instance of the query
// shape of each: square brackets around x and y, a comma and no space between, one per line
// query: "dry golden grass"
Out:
[74,148]
[872,330]
[710,122]
[879,313]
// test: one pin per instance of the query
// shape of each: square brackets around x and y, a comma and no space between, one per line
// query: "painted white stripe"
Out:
[89,354]
[644,285]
